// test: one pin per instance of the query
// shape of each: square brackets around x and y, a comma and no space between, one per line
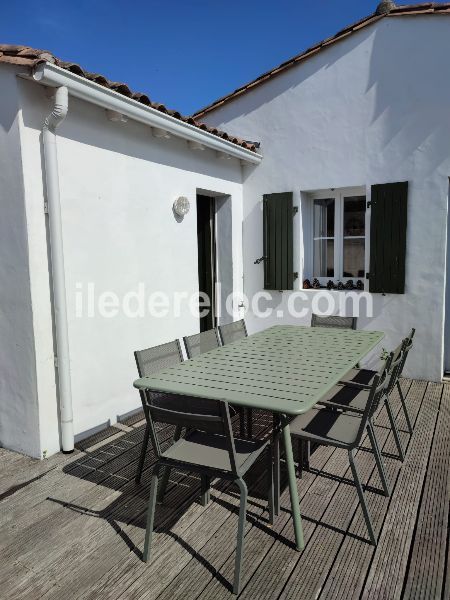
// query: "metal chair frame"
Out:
[237,327]
[215,425]
[191,351]
[399,356]
[148,368]
[394,361]
[192,343]
[377,392]
[408,345]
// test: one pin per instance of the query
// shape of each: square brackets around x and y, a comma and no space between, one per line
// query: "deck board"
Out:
[427,559]
[387,571]
[347,575]
[73,526]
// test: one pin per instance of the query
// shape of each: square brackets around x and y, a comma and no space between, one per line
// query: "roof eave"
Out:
[53,76]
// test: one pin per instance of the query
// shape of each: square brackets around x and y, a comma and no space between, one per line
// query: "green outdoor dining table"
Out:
[285,369]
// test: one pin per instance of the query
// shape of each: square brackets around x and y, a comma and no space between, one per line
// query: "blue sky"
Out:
[183,53]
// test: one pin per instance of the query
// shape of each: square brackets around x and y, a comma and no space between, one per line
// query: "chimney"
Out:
[385,7]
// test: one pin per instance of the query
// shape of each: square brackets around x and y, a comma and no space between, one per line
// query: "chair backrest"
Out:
[395,366]
[377,391]
[201,342]
[333,321]
[155,359]
[408,345]
[158,358]
[210,416]
[232,332]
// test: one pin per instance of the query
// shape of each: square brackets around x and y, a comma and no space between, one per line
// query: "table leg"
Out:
[295,503]
[276,463]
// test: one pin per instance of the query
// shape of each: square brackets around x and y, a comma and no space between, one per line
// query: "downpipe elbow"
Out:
[59,110]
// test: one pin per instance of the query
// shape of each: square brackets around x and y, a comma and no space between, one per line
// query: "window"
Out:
[339,236]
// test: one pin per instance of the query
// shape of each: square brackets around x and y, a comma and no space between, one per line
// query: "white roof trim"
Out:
[79,87]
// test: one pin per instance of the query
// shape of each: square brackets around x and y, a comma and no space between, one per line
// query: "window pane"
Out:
[354,258]
[324,218]
[354,216]
[323,258]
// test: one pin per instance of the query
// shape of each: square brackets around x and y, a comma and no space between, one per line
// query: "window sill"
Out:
[314,283]
[325,289]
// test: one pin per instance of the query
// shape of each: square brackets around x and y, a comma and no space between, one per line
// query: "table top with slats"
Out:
[285,368]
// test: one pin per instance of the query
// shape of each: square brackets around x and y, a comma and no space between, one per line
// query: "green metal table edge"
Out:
[290,407]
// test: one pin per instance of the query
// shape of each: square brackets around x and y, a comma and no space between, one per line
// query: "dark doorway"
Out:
[206,242]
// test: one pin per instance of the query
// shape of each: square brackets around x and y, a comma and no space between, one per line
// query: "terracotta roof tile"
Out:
[30,57]
[424,8]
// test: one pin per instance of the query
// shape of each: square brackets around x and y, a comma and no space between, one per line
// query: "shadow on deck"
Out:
[76,530]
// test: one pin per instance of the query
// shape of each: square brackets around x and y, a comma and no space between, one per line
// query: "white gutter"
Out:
[52,121]
[82,88]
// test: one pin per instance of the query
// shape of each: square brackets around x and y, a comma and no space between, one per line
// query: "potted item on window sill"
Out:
[340,286]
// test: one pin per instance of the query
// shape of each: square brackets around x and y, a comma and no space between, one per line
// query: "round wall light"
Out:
[181,206]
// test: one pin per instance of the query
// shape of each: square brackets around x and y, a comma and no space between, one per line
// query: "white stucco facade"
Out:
[19,406]
[373,108]
[120,235]
[366,110]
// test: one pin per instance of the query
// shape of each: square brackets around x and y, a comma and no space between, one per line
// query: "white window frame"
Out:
[338,195]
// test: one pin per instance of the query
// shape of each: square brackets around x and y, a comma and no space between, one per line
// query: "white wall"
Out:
[373,108]
[118,184]
[19,424]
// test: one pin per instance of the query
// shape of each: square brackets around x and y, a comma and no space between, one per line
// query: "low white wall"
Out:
[373,108]
[118,184]
[19,423]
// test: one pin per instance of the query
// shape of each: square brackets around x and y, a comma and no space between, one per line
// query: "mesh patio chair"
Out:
[365,376]
[205,341]
[233,332]
[229,333]
[345,430]
[201,342]
[150,361]
[209,449]
[352,395]
[334,321]
[408,346]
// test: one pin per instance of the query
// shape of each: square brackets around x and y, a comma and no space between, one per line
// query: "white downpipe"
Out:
[52,121]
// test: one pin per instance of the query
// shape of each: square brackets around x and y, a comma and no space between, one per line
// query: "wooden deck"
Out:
[73,526]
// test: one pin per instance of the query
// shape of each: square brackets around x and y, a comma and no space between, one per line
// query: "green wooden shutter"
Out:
[278,213]
[388,220]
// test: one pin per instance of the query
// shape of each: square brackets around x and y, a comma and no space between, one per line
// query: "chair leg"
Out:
[166,473]
[306,454]
[242,431]
[249,423]
[378,459]
[362,500]
[301,458]
[150,515]
[240,536]
[205,491]
[276,463]
[270,492]
[405,410]
[143,453]
[398,443]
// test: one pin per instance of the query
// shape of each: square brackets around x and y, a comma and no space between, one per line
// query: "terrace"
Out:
[73,525]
